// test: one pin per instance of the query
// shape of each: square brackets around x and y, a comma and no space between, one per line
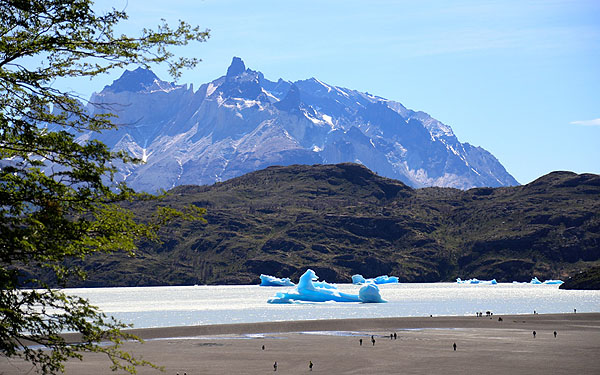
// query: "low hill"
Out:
[588,279]
[343,219]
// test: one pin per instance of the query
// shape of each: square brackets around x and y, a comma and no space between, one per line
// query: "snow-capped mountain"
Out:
[242,122]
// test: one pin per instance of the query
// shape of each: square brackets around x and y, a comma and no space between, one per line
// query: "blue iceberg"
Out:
[310,290]
[266,280]
[536,281]
[553,282]
[370,294]
[358,279]
[385,279]
[475,281]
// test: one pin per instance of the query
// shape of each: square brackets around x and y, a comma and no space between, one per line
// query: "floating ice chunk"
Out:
[308,289]
[266,280]
[535,281]
[370,294]
[553,282]
[385,279]
[475,281]
[358,279]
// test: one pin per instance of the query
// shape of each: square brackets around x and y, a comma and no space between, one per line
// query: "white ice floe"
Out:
[266,280]
[310,290]
[384,279]
[475,281]
[553,282]
[536,281]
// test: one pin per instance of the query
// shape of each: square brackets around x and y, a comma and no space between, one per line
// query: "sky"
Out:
[518,78]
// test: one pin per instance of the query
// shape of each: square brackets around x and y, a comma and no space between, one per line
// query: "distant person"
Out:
[263,347]
[534,312]
[454,346]
[554,334]
[500,319]
[395,336]
[534,333]
[373,340]
[391,336]
[275,366]
[574,311]
[360,341]
[310,365]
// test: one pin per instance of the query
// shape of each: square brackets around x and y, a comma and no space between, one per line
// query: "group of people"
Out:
[393,336]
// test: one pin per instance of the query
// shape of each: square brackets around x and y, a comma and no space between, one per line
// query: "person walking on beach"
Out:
[554,334]
[534,333]
[263,347]
[373,340]
[395,336]
[360,341]
[454,346]
[275,366]
[310,365]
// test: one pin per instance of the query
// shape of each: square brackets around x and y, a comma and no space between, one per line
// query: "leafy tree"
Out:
[58,198]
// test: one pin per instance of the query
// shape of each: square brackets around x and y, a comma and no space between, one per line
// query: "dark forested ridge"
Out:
[587,280]
[343,219]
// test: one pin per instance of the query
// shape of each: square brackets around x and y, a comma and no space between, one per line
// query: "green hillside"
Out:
[344,219]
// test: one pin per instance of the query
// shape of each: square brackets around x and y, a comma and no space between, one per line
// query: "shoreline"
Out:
[362,324]
[424,345]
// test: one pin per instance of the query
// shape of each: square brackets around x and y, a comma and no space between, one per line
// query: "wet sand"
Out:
[423,346]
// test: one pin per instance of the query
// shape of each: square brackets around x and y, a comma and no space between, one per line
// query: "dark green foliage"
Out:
[343,219]
[58,199]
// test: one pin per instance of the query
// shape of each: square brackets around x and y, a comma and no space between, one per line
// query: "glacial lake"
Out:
[146,307]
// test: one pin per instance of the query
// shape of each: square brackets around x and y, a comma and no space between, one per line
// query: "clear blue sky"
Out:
[518,78]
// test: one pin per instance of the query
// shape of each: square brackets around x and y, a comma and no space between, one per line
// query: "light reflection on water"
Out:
[197,305]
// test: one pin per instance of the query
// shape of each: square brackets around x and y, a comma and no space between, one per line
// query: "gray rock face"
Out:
[243,122]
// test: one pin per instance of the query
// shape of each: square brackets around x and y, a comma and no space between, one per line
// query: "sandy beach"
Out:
[423,346]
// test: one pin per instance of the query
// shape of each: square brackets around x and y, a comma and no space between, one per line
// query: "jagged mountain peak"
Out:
[242,122]
[240,83]
[236,68]
[133,81]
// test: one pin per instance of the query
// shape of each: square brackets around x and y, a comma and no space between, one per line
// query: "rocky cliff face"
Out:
[242,122]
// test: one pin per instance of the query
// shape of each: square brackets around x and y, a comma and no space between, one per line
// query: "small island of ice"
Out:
[536,281]
[385,279]
[266,280]
[310,290]
[475,281]
[553,282]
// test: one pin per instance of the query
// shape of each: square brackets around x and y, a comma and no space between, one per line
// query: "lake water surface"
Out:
[198,305]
